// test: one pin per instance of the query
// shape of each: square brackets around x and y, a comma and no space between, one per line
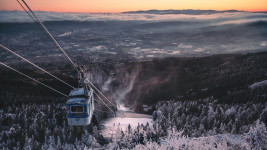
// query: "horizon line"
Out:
[258,11]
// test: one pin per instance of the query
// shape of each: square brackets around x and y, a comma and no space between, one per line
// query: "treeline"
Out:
[17,89]
[37,125]
[43,126]
[29,118]
[203,124]
[207,117]
[256,138]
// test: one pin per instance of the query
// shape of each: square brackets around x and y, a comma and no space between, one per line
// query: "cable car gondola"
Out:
[80,105]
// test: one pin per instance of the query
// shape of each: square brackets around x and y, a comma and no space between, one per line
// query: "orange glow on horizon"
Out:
[116,6]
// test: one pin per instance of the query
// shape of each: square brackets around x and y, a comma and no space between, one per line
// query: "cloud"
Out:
[169,34]
[214,19]
[242,21]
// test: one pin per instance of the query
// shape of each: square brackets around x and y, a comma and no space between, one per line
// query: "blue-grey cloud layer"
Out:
[216,18]
[138,35]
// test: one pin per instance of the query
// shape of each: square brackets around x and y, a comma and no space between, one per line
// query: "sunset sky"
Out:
[133,5]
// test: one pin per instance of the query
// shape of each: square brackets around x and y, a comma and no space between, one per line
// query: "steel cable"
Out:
[34,65]
[33,79]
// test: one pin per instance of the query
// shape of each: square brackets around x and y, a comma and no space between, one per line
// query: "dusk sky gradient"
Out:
[133,5]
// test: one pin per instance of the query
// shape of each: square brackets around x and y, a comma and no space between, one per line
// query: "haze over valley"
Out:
[134,36]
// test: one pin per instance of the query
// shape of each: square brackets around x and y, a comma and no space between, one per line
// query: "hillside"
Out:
[224,89]
[226,78]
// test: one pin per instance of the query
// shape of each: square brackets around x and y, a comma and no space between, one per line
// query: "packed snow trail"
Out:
[122,121]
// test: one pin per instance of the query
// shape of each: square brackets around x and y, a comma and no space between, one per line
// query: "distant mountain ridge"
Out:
[185,11]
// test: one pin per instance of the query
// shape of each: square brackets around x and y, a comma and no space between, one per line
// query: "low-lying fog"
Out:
[136,35]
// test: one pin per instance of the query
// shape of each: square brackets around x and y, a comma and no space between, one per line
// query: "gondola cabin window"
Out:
[76,110]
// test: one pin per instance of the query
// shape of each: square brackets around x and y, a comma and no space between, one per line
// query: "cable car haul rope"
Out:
[80,104]
[35,65]
[33,79]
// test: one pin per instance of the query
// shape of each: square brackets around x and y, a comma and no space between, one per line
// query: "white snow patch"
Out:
[263,44]
[132,44]
[150,56]
[113,53]
[177,141]
[122,121]
[175,52]
[185,46]
[137,48]
[199,50]
[205,89]
[65,34]
[122,107]
[258,84]
[10,115]
[97,48]
[145,50]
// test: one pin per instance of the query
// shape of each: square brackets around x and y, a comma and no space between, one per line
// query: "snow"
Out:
[205,89]
[76,100]
[150,56]
[65,34]
[123,119]
[10,115]
[79,91]
[98,48]
[113,53]
[185,46]
[175,52]
[199,50]
[258,84]
[122,107]
[176,140]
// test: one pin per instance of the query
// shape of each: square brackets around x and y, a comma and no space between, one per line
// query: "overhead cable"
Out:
[100,110]
[50,35]
[100,100]
[36,22]
[33,79]
[100,92]
[34,65]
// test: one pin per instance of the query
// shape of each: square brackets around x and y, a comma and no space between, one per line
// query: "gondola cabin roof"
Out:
[77,96]
[77,92]
[77,101]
